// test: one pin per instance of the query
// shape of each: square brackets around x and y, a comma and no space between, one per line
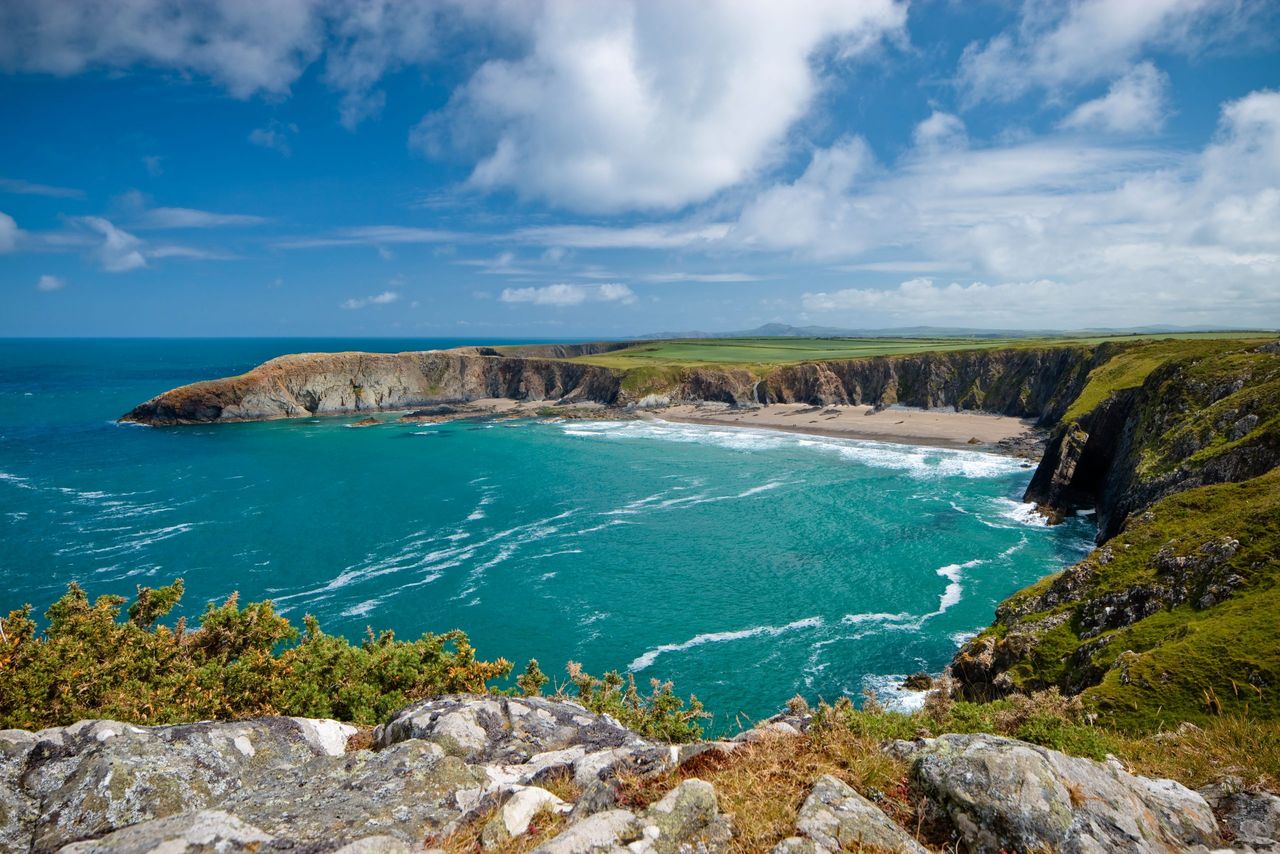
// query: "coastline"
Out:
[942,428]
[900,425]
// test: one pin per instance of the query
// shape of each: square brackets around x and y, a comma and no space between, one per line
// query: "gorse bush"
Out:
[661,715]
[240,662]
[245,662]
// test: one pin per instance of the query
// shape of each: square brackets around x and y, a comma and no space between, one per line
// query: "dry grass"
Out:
[1229,746]
[763,784]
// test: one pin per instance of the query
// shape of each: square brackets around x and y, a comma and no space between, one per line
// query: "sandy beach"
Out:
[904,425]
[940,427]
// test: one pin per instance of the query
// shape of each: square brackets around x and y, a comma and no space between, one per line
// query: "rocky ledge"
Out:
[489,764]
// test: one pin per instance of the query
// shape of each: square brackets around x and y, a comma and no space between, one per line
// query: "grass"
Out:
[1184,663]
[759,354]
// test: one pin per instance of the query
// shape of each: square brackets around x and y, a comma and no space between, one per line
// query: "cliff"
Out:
[1037,383]
[1172,618]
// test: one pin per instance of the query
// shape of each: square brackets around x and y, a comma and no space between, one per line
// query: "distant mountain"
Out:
[784,330]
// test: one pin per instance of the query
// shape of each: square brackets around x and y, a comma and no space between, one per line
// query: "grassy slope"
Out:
[1185,663]
[762,353]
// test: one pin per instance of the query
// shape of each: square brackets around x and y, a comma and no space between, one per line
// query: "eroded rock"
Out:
[1001,793]
[837,818]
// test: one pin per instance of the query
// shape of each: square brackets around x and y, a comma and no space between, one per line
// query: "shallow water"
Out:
[746,565]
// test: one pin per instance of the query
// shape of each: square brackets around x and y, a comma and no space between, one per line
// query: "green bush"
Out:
[240,662]
[661,715]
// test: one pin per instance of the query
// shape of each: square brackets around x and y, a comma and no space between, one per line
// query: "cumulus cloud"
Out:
[1127,233]
[1135,103]
[191,218]
[8,233]
[569,294]
[119,250]
[622,105]
[50,283]
[1058,46]
[384,298]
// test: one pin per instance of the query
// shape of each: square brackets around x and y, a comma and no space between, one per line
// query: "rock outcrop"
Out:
[477,766]
[1003,794]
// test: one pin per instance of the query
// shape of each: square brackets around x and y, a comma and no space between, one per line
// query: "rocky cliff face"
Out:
[1037,383]
[485,767]
[1195,420]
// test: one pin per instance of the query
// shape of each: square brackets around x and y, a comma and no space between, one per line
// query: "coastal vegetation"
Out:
[250,661]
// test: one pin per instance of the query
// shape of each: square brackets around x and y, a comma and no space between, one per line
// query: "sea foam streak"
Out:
[917,461]
[651,656]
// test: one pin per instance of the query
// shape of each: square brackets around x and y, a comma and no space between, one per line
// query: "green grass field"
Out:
[745,352]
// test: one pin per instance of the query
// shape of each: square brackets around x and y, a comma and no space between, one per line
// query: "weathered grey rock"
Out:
[603,832]
[375,845]
[687,819]
[1252,818]
[1002,793]
[798,845]
[441,764]
[207,830]
[836,818]
[509,731]
[96,776]
[513,819]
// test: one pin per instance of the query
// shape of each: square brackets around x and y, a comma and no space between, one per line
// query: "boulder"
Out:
[837,818]
[206,830]
[1002,793]
[686,819]
[1251,818]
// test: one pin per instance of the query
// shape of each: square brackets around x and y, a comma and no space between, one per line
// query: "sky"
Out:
[605,168]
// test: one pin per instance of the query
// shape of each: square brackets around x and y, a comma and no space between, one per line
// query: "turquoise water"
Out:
[745,565]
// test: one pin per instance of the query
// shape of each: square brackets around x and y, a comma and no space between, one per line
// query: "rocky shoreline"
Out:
[485,770]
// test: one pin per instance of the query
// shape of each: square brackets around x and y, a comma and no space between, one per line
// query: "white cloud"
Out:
[384,298]
[119,251]
[940,131]
[568,294]
[191,218]
[276,136]
[247,47]
[50,283]
[1130,235]
[8,233]
[27,188]
[648,236]
[1059,46]
[999,306]
[654,104]
[374,235]
[1134,104]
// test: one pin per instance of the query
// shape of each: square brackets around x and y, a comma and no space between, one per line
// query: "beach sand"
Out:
[903,425]
[939,427]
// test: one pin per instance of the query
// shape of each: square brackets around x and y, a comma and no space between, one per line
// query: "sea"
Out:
[744,565]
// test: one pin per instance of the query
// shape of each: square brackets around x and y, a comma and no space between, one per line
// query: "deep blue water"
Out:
[745,565]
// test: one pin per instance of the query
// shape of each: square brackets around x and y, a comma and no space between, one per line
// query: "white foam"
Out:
[892,695]
[917,461]
[651,656]
[954,573]
[1020,513]
[858,619]
[16,480]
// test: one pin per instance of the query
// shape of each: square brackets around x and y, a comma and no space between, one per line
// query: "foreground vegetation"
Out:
[247,662]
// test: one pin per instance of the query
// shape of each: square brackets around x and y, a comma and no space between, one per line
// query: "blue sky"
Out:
[608,168]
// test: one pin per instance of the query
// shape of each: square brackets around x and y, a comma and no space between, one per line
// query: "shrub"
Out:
[240,662]
[661,715]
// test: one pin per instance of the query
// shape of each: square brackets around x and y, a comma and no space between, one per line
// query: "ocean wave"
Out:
[1019,513]
[648,658]
[954,573]
[915,460]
